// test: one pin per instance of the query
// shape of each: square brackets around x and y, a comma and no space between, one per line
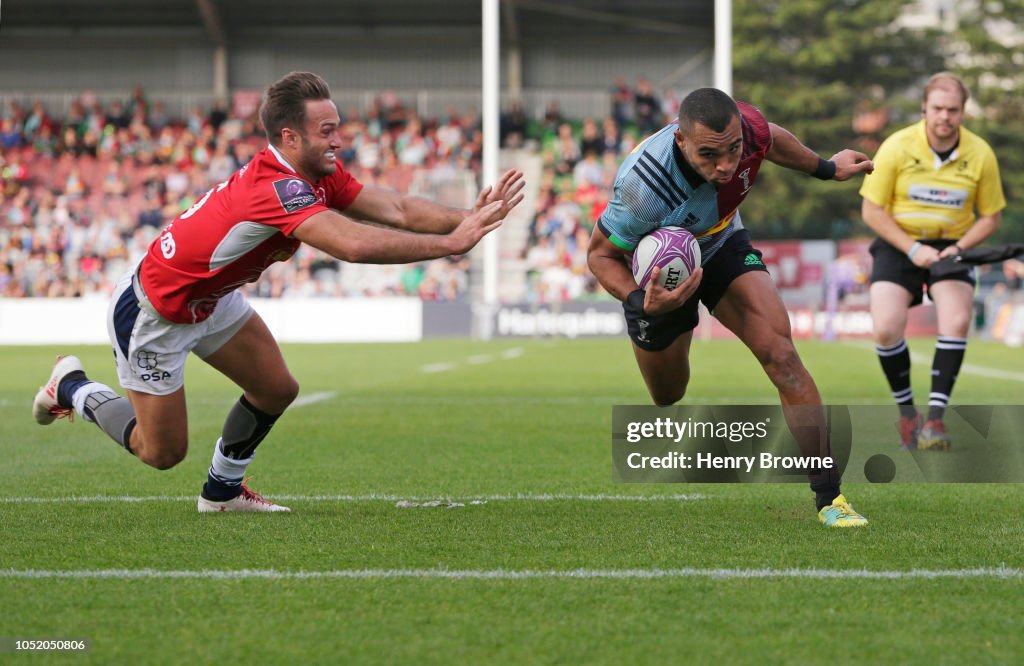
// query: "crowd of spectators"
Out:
[82,194]
[580,162]
[85,191]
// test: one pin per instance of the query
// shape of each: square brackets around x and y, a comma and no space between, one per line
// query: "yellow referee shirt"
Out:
[930,198]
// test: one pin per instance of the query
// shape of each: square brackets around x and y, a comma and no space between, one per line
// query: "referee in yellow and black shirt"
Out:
[935,191]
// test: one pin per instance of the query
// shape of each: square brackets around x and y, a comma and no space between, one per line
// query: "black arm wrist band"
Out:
[826,169]
[635,300]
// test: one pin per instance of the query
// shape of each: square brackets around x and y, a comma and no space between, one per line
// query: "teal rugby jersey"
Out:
[655,187]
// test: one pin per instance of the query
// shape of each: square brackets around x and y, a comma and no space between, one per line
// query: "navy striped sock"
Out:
[67,387]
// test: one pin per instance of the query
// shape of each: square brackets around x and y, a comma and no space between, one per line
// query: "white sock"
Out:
[228,470]
[79,397]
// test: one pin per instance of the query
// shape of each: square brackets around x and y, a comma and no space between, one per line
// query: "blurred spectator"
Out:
[552,116]
[610,138]
[217,115]
[646,107]
[10,135]
[622,102]
[36,120]
[117,117]
[158,118]
[590,138]
[567,150]
[513,126]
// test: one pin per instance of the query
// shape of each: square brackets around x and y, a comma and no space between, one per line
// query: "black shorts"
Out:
[891,265]
[736,257]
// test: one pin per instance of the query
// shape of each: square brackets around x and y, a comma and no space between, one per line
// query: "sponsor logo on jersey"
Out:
[745,177]
[937,196]
[752,260]
[146,360]
[294,194]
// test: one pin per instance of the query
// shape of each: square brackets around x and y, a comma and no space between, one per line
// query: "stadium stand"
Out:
[99,150]
[84,194]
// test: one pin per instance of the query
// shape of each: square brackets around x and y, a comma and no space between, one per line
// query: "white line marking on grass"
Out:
[436,367]
[476,359]
[488,399]
[362,498]
[980,370]
[1000,572]
[969,368]
[313,398]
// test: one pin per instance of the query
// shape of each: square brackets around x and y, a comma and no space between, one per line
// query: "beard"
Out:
[314,162]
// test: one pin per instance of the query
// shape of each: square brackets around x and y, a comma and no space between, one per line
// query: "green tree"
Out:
[811,66]
[989,55]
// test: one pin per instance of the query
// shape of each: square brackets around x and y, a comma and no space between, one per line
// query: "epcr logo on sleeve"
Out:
[294,194]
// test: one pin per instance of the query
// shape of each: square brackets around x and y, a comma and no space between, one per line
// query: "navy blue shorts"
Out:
[736,257]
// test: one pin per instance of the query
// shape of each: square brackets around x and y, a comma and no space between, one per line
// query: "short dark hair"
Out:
[708,106]
[284,103]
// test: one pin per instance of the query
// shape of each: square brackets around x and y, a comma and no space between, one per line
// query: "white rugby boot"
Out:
[45,407]
[248,501]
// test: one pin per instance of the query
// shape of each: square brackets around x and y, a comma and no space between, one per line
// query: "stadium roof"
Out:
[223,19]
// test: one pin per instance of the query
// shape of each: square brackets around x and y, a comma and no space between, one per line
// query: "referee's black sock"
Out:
[895,360]
[949,355]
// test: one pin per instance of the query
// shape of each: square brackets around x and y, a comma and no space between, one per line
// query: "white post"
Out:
[490,112]
[220,76]
[723,45]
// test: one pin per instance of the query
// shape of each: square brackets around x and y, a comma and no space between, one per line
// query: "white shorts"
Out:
[151,351]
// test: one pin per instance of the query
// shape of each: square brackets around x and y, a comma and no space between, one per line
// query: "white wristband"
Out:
[913,249]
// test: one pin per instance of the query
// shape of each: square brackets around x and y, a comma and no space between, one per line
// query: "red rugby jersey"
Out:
[234,232]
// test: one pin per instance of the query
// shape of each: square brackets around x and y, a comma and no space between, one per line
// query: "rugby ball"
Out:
[672,249]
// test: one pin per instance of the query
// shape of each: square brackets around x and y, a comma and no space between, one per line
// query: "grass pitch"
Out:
[554,564]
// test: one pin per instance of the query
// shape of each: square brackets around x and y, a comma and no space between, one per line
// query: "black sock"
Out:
[895,360]
[244,429]
[67,387]
[825,482]
[949,355]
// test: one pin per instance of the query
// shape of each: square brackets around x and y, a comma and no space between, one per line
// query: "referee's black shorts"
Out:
[736,257]
[891,265]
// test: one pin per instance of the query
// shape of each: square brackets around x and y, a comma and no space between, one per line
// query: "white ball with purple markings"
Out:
[672,249]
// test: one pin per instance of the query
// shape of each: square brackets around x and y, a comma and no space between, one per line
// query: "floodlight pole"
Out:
[723,45]
[490,112]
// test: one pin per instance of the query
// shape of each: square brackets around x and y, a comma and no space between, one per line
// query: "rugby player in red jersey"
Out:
[183,296]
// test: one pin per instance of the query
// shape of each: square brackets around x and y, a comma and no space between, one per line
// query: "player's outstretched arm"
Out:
[787,151]
[508,190]
[353,242]
[423,216]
